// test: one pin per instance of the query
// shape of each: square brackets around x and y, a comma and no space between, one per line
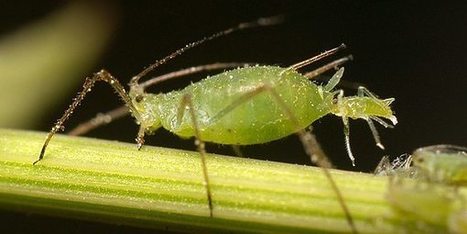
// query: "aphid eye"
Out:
[139,98]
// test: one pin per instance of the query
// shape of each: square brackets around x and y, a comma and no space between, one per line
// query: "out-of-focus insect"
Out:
[431,202]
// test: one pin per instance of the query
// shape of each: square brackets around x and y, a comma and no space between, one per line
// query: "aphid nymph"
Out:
[244,106]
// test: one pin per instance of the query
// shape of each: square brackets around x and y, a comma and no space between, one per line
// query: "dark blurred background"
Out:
[414,52]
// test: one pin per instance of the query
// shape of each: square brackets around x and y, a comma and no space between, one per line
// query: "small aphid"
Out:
[424,189]
[425,207]
[244,106]
[442,163]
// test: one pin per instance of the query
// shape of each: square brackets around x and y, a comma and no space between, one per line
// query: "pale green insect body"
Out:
[427,189]
[259,119]
[356,107]
[442,163]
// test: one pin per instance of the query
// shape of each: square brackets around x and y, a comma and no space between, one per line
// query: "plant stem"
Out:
[163,188]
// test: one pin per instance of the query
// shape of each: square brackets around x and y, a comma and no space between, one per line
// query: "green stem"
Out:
[163,188]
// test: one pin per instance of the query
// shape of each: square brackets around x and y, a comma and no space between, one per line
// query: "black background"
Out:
[412,51]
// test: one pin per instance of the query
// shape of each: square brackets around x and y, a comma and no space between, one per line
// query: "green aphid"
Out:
[425,189]
[245,106]
[425,207]
[442,163]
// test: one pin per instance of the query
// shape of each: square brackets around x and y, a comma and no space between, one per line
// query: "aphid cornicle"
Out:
[244,106]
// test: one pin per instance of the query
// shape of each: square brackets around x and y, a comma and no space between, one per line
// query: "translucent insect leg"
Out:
[140,137]
[100,120]
[335,79]
[261,22]
[310,144]
[107,117]
[362,91]
[187,103]
[375,133]
[332,65]
[237,151]
[102,75]
[380,121]
[345,121]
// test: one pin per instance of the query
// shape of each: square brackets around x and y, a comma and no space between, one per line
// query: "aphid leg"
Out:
[100,120]
[375,133]
[308,140]
[345,121]
[140,137]
[362,91]
[332,65]
[237,151]
[335,79]
[187,103]
[102,75]
[105,118]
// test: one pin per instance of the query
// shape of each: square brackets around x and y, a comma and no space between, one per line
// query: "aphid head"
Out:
[144,105]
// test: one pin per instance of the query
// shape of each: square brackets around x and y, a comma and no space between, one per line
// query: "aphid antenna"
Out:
[318,57]
[189,71]
[261,22]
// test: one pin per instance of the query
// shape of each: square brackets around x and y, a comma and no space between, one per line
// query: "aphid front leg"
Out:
[102,75]
[187,103]
[140,137]
[308,140]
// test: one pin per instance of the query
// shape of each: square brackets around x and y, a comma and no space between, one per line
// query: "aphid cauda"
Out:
[244,106]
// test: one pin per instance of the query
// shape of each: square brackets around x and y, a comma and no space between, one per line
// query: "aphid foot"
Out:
[139,142]
[381,146]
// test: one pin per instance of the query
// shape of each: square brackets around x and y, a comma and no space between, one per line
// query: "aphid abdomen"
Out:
[258,119]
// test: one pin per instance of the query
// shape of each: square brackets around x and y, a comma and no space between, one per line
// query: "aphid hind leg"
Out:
[102,75]
[238,152]
[187,103]
[310,144]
